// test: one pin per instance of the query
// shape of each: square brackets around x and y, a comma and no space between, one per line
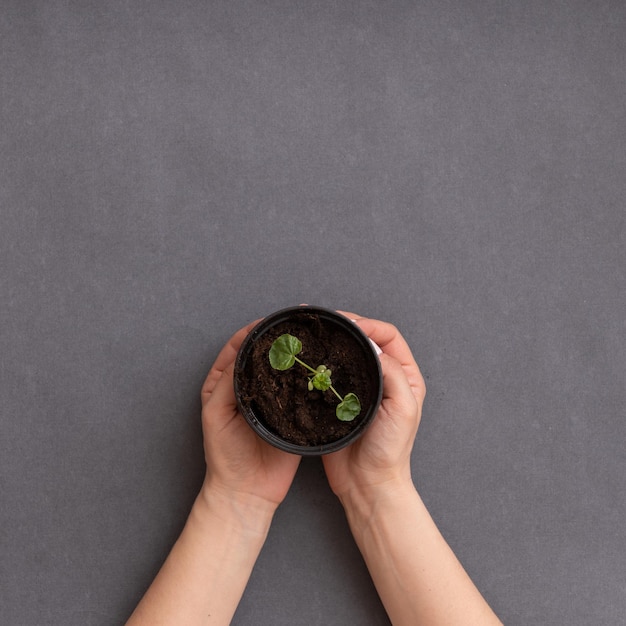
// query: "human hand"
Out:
[240,465]
[380,459]
[206,571]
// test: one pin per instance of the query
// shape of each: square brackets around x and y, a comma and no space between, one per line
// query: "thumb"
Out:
[222,403]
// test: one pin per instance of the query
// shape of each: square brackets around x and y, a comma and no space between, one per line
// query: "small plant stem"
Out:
[335,392]
[305,365]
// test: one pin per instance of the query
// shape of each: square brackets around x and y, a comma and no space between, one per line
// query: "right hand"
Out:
[381,458]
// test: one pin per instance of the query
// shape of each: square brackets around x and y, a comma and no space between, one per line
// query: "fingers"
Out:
[221,407]
[391,342]
[225,358]
[352,316]
[223,393]
[386,336]
[396,387]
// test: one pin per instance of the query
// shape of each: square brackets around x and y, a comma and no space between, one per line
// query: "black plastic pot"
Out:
[323,322]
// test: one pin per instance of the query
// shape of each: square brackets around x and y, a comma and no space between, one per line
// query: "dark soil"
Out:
[281,399]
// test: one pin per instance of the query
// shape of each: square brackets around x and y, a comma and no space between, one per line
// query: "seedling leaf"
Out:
[349,408]
[283,352]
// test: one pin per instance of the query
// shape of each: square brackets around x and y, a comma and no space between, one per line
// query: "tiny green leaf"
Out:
[349,408]
[321,380]
[283,351]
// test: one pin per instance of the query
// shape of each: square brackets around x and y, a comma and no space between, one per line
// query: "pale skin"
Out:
[416,574]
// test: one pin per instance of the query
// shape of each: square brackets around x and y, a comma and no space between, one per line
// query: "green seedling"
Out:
[283,356]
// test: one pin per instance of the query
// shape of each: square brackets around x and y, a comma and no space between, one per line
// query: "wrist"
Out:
[242,512]
[366,505]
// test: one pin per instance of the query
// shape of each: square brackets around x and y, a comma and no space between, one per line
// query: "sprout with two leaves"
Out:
[283,355]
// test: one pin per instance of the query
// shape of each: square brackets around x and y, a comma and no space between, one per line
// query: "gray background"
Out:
[171,170]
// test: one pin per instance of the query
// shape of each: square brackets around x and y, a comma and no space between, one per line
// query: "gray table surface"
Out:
[170,171]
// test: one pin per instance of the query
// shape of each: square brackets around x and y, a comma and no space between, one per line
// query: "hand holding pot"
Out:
[381,458]
[239,464]
[418,577]
[210,563]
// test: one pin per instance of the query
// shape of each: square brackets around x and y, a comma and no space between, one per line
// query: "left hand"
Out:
[240,465]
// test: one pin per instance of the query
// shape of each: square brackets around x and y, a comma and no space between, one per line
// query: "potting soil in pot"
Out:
[281,399]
